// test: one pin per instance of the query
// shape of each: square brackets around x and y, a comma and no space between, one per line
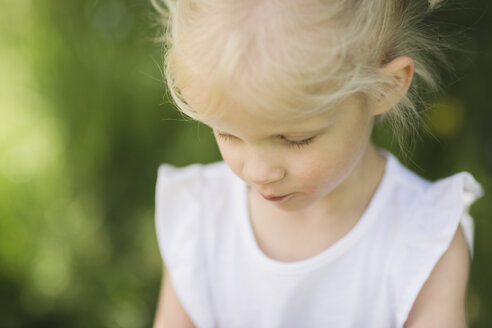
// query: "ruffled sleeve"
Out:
[426,232]
[179,224]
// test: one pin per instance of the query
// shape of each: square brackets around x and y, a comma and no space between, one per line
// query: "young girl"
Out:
[306,223]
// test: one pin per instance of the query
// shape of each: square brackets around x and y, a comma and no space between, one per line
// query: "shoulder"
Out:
[430,211]
[194,173]
[183,226]
[188,183]
[433,243]
[428,204]
[182,193]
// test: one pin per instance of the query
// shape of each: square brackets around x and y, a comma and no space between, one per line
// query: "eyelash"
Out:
[295,144]
[299,144]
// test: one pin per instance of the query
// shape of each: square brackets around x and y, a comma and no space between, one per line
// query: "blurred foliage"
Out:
[83,127]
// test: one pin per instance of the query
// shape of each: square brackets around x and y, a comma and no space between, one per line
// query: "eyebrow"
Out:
[294,133]
[290,134]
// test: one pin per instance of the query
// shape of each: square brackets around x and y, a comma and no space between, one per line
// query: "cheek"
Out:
[231,157]
[325,169]
[315,171]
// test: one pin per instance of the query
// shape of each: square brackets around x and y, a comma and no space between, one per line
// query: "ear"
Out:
[400,70]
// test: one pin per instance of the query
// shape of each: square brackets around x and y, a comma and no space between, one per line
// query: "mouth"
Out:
[273,198]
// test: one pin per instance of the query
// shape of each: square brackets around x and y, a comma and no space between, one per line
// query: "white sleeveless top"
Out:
[368,278]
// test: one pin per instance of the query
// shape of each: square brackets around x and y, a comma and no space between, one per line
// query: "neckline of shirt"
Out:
[332,252]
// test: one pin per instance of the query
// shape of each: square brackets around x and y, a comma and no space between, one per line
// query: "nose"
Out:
[260,171]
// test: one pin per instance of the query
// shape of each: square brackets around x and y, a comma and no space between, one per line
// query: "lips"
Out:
[273,198]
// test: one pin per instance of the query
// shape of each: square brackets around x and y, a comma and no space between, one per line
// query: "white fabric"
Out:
[369,278]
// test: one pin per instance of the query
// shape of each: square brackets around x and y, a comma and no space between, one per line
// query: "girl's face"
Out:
[294,164]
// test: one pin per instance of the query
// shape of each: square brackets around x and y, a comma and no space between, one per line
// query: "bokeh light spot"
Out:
[446,117]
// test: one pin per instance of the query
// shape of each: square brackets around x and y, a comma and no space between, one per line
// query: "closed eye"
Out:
[291,143]
[225,137]
[298,143]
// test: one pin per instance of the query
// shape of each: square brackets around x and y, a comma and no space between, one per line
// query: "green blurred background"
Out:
[84,125]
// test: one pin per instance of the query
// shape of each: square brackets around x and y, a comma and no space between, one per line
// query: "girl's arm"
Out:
[170,313]
[441,301]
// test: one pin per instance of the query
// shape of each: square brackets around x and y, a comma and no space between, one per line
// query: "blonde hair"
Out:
[294,58]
